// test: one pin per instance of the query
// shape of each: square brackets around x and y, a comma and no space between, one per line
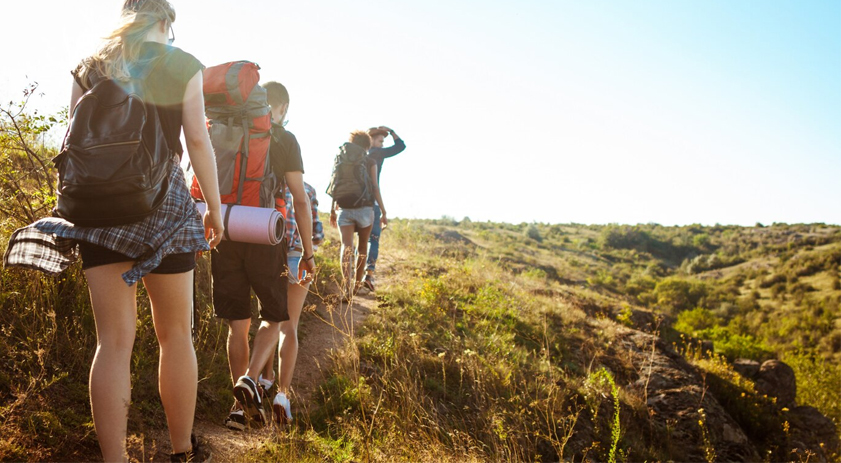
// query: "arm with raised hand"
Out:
[393,150]
[202,158]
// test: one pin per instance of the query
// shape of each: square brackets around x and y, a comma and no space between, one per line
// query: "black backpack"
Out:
[350,185]
[114,164]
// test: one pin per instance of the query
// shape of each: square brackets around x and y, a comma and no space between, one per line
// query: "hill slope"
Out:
[497,341]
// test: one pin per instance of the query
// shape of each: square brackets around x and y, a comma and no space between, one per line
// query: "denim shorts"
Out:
[362,217]
[292,259]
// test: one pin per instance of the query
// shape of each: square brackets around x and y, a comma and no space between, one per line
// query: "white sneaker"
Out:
[282,410]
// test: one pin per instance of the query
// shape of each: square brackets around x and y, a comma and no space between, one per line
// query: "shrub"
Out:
[701,241]
[639,284]
[533,232]
[698,319]
[676,294]
[625,237]
[817,383]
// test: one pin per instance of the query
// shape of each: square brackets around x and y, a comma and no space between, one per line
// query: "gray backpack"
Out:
[350,185]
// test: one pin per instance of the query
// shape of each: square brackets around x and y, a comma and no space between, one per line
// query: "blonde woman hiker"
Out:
[354,189]
[159,247]
[287,351]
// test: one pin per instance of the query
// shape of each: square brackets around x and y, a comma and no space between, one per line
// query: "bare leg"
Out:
[268,369]
[264,342]
[115,312]
[172,297]
[347,257]
[362,254]
[288,348]
[238,347]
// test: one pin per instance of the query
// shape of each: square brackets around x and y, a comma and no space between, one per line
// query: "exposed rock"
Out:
[746,367]
[678,402]
[809,429]
[452,236]
[776,379]
[643,319]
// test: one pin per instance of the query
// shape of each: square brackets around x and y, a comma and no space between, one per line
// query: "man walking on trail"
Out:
[379,154]
[264,269]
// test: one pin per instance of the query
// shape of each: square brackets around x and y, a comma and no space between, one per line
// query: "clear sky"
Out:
[675,112]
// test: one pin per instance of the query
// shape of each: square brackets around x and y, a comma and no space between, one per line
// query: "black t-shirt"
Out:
[285,152]
[172,68]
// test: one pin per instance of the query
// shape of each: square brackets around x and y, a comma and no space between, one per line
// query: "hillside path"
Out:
[325,325]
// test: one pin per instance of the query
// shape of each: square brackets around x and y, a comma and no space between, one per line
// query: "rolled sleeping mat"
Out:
[246,224]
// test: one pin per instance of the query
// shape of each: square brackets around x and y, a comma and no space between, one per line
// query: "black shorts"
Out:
[94,255]
[238,268]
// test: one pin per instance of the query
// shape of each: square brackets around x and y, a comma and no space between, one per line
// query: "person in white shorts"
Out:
[359,220]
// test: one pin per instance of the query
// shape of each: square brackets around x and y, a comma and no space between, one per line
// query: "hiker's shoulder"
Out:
[284,137]
[285,150]
[176,61]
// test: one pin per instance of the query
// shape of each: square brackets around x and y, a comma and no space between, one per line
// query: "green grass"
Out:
[484,346]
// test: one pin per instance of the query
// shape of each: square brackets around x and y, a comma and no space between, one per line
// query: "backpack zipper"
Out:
[105,145]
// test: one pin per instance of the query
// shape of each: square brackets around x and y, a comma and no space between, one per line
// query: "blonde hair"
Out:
[360,138]
[122,46]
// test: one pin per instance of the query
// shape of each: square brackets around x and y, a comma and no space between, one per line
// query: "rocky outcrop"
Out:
[681,407]
[776,379]
[813,432]
[746,367]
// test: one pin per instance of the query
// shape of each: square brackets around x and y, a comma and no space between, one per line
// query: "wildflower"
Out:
[442,354]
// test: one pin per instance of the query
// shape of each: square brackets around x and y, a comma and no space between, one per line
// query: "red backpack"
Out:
[239,122]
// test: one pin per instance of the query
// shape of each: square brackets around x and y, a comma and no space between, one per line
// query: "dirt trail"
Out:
[323,327]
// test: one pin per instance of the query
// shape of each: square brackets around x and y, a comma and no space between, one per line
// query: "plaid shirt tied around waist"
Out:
[49,245]
[293,237]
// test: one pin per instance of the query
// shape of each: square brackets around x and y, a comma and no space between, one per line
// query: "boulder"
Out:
[776,379]
[813,432]
[746,367]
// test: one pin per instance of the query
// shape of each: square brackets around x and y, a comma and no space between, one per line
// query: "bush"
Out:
[698,319]
[707,262]
[676,294]
[625,237]
[817,383]
[639,284]
[534,233]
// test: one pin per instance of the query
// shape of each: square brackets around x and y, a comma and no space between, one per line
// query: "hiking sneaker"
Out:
[248,395]
[235,420]
[265,396]
[265,384]
[368,282]
[282,410]
[199,453]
